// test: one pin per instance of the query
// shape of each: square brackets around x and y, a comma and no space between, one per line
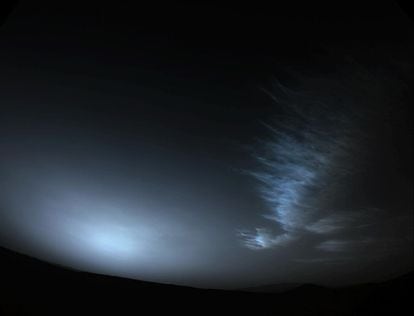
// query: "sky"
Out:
[206,144]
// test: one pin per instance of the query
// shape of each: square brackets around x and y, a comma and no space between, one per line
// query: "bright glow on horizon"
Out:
[113,241]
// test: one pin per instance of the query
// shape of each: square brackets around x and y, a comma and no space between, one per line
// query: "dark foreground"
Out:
[32,287]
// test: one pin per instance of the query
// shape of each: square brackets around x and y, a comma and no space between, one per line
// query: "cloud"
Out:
[263,238]
[296,167]
[332,223]
[326,176]
[335,245]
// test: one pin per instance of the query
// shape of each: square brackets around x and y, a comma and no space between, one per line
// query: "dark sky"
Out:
[208,144]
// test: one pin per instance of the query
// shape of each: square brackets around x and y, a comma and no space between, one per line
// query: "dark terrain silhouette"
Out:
[272,288]
[31,286]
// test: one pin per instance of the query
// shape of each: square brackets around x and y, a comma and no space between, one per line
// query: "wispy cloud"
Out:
[263,238]
[335,245]
[332,223]
[296,166]
[320,146]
